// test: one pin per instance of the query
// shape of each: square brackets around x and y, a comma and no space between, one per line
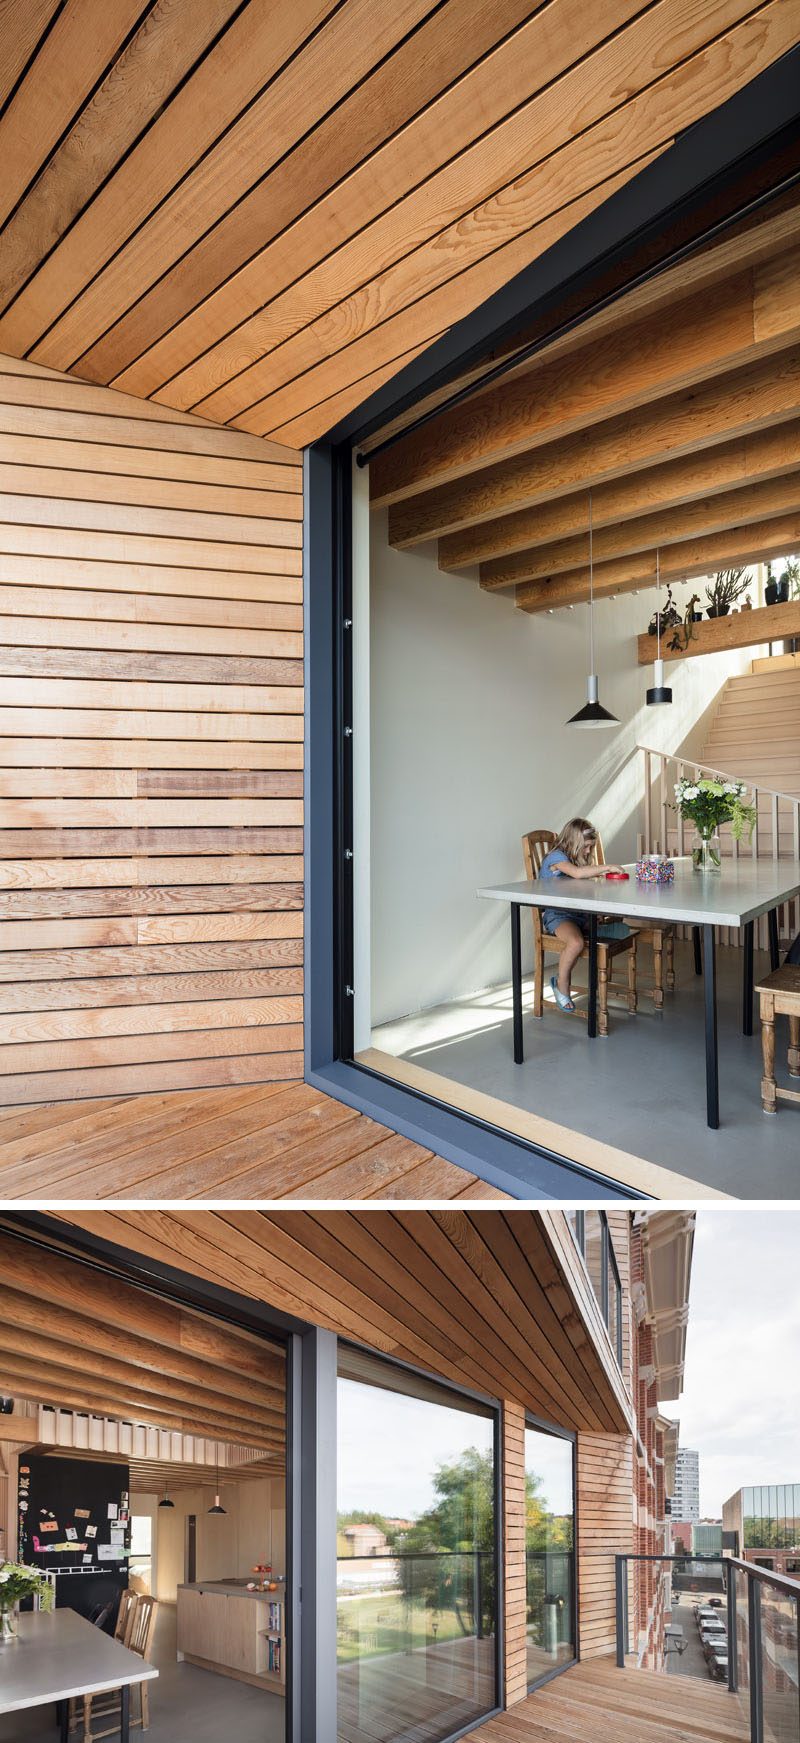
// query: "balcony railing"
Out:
[761,1630]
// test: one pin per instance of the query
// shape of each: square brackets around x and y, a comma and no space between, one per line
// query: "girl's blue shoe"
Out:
[563,1000]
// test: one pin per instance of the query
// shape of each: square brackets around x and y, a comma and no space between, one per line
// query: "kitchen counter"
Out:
[224,1628]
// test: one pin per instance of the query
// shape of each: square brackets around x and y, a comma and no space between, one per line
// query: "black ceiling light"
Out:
[659,691]
[217,1507]
[593,713]
[165,1502]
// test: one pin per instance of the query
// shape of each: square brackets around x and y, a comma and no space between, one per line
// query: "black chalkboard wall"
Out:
[87,1497]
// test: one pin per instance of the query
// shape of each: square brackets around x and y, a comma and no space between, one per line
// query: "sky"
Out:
[740,1407]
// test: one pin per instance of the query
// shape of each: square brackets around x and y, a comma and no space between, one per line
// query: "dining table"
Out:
[736,897]
[60,1656]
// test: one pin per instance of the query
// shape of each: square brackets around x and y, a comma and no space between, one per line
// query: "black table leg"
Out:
[774,951]
[712,1061]
[63,1721]
[747,980]
[125,1713]
[592,1025]
[516,981]
[698,959]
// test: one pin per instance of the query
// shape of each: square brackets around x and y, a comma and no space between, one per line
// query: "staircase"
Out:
[755,737]
[755,732]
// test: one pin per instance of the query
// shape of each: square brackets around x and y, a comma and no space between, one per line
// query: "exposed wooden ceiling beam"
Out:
[87,1332]
[730,508]
[64,1387]
[745,400]
[134,1384]
[750,315]
[75,1287]
[765,454]
[701,556]
[741,629]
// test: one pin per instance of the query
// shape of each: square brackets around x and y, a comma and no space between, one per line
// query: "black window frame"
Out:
[610,1277]
[495,1407]
[705,159]
[569,1435]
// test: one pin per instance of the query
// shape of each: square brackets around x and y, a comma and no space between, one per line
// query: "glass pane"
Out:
[549,1552]
[593,1251]
[779,1665]
[415,1548]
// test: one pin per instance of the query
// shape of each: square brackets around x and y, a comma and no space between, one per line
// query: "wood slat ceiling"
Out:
[481,1299]
[260,210]
[679,405]
[150,1476]
[73,1338]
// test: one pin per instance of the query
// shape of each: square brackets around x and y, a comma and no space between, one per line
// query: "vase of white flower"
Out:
[18,1581]
[707,804]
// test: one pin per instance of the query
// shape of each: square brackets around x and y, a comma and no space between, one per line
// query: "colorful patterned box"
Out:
[655,870]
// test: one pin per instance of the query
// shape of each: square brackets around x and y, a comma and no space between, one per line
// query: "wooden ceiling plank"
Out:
[452,1243]
[76,52]
[67,1284]
[695,339]
[420,181]
[647,122]
[718,513]
[317,388]
[388,1252]
[83,1331]
[763,455]
[738,404]
[23,24]
[252,50]
[212,289]
[339,404]
[341,45]
[694,557]
[137,85]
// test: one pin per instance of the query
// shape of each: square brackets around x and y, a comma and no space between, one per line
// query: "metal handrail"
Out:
[733,1567]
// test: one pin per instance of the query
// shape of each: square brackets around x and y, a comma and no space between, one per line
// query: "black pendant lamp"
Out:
[659,691]
[217,1507]
[593,713]
[165,1501]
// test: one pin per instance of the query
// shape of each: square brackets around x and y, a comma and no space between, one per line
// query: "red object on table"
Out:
[617,877]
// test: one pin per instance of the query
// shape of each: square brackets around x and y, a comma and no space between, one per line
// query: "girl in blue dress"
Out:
[571,857]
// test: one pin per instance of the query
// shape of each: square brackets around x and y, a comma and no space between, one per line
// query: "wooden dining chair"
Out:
[535,846]
[122,1627]
[138,1637]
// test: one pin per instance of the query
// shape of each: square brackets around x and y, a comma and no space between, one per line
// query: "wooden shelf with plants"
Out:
[714,635]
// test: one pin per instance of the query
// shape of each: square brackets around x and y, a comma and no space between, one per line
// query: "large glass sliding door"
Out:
[549,1551]
[416,1556]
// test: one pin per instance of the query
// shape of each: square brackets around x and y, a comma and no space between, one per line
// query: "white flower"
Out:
[690,792]
[4,1575]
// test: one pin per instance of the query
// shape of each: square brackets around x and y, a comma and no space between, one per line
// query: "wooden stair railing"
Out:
[776,834]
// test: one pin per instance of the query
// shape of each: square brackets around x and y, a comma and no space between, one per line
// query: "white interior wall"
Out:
[469,749]
[252,1529]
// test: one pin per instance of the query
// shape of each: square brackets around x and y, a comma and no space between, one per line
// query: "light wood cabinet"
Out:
[236,1633]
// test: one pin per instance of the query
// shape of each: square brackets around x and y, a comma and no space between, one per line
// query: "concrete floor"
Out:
[643,1088]
[187,1705]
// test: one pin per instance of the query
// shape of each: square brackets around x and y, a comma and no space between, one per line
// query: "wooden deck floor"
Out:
[266,1141]
[595,1703]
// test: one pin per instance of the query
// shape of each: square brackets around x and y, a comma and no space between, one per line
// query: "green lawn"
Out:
[383,1622]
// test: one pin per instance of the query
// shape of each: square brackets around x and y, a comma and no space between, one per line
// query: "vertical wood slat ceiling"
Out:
[151,747]
[260,210]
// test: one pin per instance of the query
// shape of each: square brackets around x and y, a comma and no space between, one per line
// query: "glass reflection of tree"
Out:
[446,1559]
[548,1544]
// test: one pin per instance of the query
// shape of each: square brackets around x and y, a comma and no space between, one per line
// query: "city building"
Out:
[764,1523]
[707,1537]
[495,1403]
[686,1494]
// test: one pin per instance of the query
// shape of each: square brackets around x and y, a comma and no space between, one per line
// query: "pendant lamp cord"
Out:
[591,589]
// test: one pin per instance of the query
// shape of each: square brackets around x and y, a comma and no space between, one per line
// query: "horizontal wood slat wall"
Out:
[151,747]
[605,1529]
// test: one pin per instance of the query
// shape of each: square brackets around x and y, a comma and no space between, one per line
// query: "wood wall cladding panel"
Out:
[151,782]
[312,192]
[514,1545]
[605,1527]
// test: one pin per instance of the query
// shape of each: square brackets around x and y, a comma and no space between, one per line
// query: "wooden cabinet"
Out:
[233,1632]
